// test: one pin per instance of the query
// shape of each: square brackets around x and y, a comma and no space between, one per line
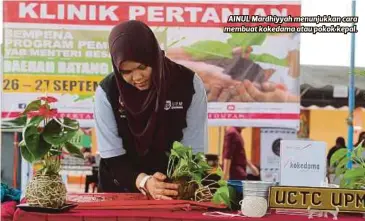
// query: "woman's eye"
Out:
[142,67]
[124,72]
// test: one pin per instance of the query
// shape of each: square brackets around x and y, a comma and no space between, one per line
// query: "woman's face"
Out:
[136,74]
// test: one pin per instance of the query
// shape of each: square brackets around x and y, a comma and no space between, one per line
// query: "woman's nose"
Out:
[137,75]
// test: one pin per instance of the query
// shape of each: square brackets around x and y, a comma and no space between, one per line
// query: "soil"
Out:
[186,189]
[240,68]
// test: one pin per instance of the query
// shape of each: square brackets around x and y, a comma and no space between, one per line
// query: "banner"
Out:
[60,48]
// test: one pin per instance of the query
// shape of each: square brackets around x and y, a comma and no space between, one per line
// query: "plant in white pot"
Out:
[45,137]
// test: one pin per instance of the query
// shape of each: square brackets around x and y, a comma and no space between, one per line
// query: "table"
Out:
[7,210]
[146,215]
[135,207]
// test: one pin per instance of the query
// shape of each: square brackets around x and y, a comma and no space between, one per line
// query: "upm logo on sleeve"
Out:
[173,105]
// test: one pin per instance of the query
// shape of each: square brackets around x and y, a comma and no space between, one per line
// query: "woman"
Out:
[146,104]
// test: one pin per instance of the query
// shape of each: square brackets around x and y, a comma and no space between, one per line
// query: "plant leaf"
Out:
[26,154]
[269,59]
[32,106]
[35,142]
[77,139]
[354,173]
[42,149]
[358,151]
[53,133]
[199,157]
[209,49]
[204,166]
[347,184]
[359,71]
[246,39]
[56,135]
[219,172]
[232,195]
[222,196]
[340,171]
[74,150]
[189,152]
[196,177]
[19,121]
[31,138]
[343,162]
[337,156]
[73,124]
[222,183]
[36,120]
[179,150]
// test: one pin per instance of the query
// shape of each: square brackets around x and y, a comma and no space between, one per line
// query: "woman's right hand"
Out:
[160,190]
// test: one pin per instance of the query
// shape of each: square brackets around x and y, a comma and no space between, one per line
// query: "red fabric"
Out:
[98,197]
[120,201]
[234,149]
[147,204]
[8,210]
[135,207]
[143,215]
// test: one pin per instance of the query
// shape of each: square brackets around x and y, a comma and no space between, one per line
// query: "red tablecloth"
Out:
[8,210]
[146,215]
[135,207]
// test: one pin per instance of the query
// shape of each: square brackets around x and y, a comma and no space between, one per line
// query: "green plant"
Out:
[350,178]
[210,49]
[193,169]
[359,71]
[45,136]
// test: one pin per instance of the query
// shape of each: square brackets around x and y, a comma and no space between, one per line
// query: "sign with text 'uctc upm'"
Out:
[314,198]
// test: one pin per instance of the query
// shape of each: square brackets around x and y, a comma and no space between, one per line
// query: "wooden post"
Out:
[255,146]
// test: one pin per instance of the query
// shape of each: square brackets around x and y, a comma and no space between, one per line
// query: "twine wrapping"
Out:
[46,191]
[254,206]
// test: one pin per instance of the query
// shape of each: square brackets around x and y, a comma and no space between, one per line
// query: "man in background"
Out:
[90,160]
[234,156]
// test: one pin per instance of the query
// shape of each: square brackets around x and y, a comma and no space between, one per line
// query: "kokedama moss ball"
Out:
[46,191]
[186,188]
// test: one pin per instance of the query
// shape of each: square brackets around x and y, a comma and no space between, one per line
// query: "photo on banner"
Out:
[60,48]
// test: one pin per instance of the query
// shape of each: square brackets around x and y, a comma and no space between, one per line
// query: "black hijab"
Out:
[134,41]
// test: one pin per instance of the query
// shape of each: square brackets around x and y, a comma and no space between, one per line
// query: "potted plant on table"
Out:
[350,178]
[45,137]
[195,177]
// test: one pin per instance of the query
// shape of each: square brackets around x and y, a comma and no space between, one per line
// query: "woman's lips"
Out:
[142,84]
